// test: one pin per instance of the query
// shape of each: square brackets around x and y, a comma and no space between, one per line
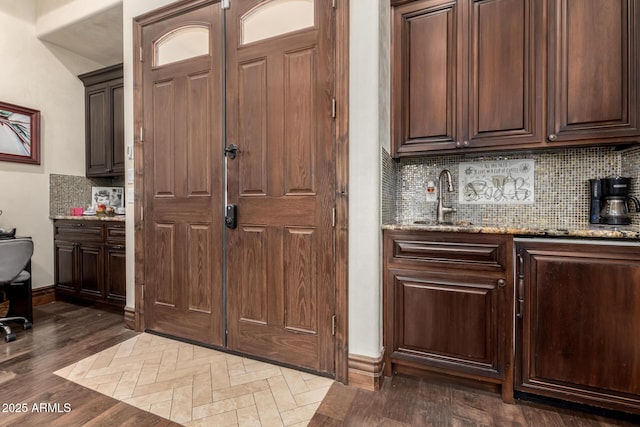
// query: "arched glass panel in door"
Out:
[182,43]
[276,17]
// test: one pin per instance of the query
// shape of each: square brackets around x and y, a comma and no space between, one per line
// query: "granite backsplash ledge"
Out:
[67,191]
[561,187]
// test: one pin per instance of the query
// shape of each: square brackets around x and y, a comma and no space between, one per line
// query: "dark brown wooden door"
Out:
[91,269]
[115,274]
[280,257]
[183,192]
[594,60]
[577,338]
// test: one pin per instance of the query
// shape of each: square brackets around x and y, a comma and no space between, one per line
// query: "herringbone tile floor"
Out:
[197,386]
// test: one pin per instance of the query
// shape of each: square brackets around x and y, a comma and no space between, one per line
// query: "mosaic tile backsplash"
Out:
[561,183]
[67,191]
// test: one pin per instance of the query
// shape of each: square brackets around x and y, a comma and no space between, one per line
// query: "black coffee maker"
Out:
[610,201]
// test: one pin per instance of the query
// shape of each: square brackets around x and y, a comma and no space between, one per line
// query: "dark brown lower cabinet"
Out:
[90,261]
[578,322]
[448,301]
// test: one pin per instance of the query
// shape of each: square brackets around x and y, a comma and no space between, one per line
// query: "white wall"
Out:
[365,296]
[33,77]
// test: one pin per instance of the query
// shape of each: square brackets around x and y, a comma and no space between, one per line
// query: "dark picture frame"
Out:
[19,134]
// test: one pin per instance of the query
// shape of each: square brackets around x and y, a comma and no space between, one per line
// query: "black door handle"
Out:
[231,151]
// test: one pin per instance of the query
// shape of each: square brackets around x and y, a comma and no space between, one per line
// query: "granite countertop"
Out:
[593,231]
[117,218]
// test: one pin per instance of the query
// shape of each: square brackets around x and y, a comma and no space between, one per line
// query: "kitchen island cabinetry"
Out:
[448,301]
[104,121]
[89,261]
[476,75]
[578,322]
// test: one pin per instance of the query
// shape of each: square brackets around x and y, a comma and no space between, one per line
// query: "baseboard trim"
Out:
[43,295]
[366,372]
[130,318]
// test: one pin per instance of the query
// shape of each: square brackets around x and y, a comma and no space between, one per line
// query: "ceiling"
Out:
[97,37]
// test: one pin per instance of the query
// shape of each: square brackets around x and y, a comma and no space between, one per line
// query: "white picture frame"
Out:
[109,196]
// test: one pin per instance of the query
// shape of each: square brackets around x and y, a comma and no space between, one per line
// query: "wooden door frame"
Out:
[341,179]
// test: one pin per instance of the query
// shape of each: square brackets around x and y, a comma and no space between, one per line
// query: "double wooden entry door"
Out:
[265,287]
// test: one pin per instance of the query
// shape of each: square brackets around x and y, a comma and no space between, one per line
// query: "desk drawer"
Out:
[86,231]
[116,233]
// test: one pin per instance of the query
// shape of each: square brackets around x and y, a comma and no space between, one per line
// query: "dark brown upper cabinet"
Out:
[489,75]
[104,121]
[465,75]
[594,61]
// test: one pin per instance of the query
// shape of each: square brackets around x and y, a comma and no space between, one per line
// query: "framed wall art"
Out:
[19,134]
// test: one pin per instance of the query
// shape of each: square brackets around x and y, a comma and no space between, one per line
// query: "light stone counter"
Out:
[596,231]
[117,218]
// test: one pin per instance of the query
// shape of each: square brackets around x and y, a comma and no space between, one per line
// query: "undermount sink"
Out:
[450,223]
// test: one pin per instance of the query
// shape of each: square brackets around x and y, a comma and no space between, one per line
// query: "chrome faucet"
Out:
[442,209]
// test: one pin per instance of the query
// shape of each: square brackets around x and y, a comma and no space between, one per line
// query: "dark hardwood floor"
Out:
[413,401]
[64,333]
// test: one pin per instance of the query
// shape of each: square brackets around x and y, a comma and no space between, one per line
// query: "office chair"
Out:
[15,254]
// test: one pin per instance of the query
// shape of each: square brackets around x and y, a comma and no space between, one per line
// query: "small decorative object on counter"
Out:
[76,211]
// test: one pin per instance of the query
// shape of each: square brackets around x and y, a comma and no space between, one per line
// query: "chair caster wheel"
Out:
[27,325]
[10,337]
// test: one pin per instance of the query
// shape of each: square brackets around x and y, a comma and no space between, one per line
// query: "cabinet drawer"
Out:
[86,231]
[116,233]
[477,252]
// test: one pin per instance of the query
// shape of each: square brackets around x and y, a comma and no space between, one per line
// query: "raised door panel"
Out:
[505,73]
[65,258]
[444,321]
[581,322]
[97,122]
[91,270]
[115,275]
[594,61]
[164,150]
[425,76]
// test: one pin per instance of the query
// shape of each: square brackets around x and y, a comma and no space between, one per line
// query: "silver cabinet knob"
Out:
[552,137]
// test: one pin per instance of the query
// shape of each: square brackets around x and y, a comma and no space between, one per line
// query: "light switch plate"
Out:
[130,196]
[129,176]
[130,152]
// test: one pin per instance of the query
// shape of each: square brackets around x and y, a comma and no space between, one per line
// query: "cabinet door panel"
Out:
[425,76]
[65,265]
[445,321]
[97,131]
[117,128]
[593,67]
[505,73]
[116,277]
[91,269]
[578,338]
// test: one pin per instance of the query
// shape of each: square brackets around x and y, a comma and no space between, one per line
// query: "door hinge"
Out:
[141,213]
[333,325]
[141,134]
[333,108]
[333,217]
[334,4]
[224,4]
[141,55]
